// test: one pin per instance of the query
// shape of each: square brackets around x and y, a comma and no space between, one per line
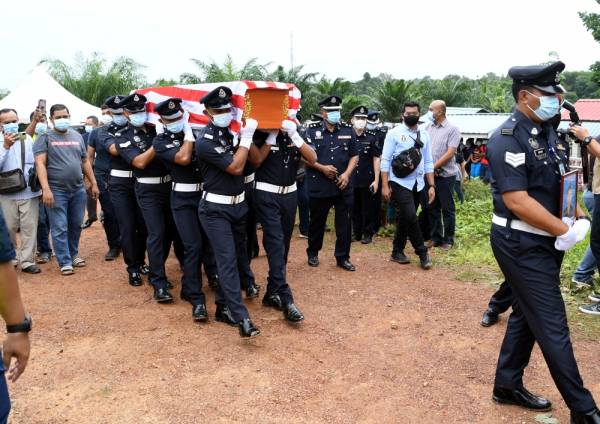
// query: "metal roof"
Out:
[587,109]
[593,127]
[464,110]
[479,124]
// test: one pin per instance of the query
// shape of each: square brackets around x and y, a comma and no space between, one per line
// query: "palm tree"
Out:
[452,89]
[390,96]
[214,72]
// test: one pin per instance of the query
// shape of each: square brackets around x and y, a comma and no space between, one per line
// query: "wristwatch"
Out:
[587,218]
[24,327]
[587,140]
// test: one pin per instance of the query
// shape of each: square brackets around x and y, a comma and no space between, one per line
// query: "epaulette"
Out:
[347,125]
[383,128]
[370,132]
[508,127]
[314,125]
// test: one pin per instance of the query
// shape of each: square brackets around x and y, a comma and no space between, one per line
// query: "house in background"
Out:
[589,114]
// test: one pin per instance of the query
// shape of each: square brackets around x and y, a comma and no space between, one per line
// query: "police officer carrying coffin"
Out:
[132,227]
[176,147]
[366,178]
[153,191]
[330,182]
[222,209]
[528,240]
[275,198]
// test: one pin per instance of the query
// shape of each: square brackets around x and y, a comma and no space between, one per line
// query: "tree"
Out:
[390,96]
[94,80]
[214,72]
[592,23]
[3,93]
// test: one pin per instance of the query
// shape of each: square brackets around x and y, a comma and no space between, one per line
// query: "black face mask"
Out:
[411,121]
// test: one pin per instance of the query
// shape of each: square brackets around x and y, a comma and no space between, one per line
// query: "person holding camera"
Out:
[19,203]
[407,154]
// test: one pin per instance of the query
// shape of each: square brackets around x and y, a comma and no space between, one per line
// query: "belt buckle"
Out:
[281,190]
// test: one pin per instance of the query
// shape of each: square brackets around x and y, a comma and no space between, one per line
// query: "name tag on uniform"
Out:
[344,137]
[219,149]
[274,148]
[123,145]
[561,147]
[170,146]
[540,154]
[208,136]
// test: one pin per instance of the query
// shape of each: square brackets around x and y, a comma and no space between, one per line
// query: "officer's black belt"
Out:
[249,178]
[222,199]
[187,188]
[518,225]
[121,173]
[154,180]
[271,188]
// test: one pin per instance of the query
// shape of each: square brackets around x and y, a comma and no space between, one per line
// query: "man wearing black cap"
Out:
[222,210]
[132,228]
[529,239]
[330,183]
[366,177]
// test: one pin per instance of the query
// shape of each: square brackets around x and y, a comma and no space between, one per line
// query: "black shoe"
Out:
[88,223]
[247,329]
[521,397]
[223,314]
[112,254]
[490,317]
[32,269]
[273,301]
[162,295]
[313,261]
[135,279]
[592,417]
[347,265]
[144,269]
[400,258]
[356,237]
[199,312]
[426,261]
[252,290]
[213,282]
[367,240]
[292,313]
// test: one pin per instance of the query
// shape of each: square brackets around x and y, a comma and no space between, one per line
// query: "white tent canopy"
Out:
[38,84]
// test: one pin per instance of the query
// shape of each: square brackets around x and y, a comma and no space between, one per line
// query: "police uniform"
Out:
[222,212]
[364,214]
[523,156]
[336,147]
[248,284]
[373,124]
[185,197]
[153,191]
[132,227]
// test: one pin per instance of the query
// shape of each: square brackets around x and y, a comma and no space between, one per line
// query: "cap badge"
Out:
[222,93]
[557,78]
[117,99]
[171,104]
[136,98]
[333,100]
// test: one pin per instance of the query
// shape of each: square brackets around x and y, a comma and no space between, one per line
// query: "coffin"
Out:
[269,106]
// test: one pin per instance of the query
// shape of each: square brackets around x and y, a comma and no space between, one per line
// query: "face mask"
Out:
[359,124]
[411,120]
[106,119]
[429,116]
[88,128]
[223,120]
[138,119]
[62,124]
[175,127]
[11,128]
[334,117]
[549,106]
[371,126]
[41,128]
[119,120]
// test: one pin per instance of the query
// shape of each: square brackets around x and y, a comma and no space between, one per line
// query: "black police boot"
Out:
[292,313]
[247,329]
[213,281]
[313,261]
[367,239]
[135,279]
[425,261]
[490,317]
[521,397]
[272,301]
[223,314]
[144,269]
[399,257]
[252,290]
[199,312]
[112,254]
[592,417]
[162,295]
[346,265]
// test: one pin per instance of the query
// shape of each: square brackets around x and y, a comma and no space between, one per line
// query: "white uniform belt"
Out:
[223,200]
[187,188]
[121,173]
[248,178]
[275,188]
[154,180]
[516,224]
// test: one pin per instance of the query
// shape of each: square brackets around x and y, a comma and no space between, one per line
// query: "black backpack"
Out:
[408,160]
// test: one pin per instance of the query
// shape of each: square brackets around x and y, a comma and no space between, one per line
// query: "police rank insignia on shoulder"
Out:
[514,159]
[126,144]
[506,131]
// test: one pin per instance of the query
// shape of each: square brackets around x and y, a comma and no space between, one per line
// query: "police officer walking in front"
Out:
[222,209]
[528,239]
[330,182]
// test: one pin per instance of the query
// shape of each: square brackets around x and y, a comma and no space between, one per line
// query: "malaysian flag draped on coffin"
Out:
[192,93]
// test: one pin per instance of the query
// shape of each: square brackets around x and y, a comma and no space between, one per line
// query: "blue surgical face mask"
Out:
[11,128]
[222,120]
[334,116]
[138,119]
[371,126]
[119,120]
[62,124]
[41,128]
[549,107]
[175,127]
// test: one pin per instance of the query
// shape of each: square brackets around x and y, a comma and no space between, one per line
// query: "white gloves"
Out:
[188,135]
[574,235]
[247,131]
[292,131]
[272,138]
[581,227]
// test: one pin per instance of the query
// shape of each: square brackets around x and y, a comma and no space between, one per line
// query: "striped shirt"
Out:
[444,136]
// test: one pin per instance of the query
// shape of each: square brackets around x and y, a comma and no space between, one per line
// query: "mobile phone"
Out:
[42,106]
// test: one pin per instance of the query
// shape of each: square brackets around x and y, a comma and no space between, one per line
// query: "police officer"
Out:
[248,284]
[153,191]
[222,209]
[176,148]
[132,227]
[275,198]
[366,177]
[374,124]
[528,239]
[330,181]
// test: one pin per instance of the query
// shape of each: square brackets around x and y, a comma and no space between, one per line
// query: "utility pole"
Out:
[291,50]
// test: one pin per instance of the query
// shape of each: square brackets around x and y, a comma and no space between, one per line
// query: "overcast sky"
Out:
[345,38]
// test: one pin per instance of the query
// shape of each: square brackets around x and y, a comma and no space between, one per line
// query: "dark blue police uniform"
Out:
[7,254]
[247,280]
[381,132]
[523,156]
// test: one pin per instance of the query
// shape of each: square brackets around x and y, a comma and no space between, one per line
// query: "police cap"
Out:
[134,103]
[219,98]
[545,78]
[360,111]
[331,103]
[115,103]
[170,108]
[373,115]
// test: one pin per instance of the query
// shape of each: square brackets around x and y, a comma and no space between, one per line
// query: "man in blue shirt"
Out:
[404,191]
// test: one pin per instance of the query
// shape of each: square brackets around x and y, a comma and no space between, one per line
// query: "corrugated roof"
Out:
[587,109]
[480,124]
[464,110]
[593,127]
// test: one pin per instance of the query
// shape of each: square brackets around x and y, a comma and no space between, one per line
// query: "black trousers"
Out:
[91,206]
[501,299]
[319,210]
[251,237]
[111,226]
[442,211]
[132,227]
[531,266]
[225,226]
[595,231]
[277,214]
[364,214]
[405,202]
